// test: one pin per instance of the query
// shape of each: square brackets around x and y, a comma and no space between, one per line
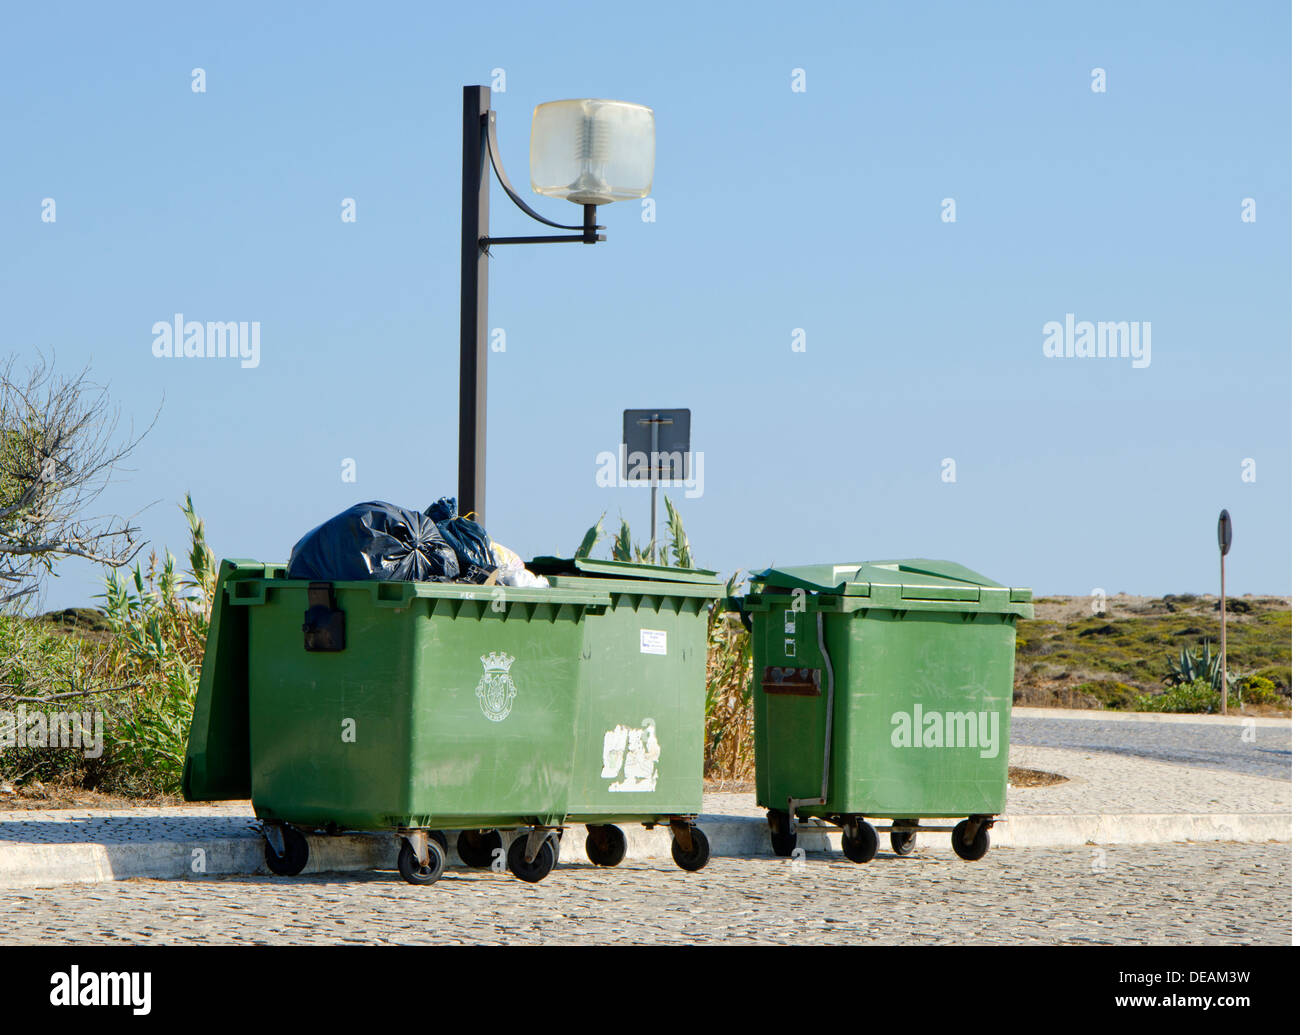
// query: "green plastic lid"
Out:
[621,569]
[912,579]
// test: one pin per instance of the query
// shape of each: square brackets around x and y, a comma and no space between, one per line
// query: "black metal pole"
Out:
[472,474]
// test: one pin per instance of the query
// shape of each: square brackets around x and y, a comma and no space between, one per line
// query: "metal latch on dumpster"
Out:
[799,682]
[322,623]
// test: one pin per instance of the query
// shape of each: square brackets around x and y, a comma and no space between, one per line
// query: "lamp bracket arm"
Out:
[494,153]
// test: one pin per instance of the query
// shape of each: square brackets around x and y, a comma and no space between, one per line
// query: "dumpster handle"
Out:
[794,803]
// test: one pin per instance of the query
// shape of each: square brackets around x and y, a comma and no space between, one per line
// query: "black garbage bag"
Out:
[375,541]
[468,538]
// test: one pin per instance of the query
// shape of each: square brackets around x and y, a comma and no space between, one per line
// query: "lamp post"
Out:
[589,152]
[1225,543]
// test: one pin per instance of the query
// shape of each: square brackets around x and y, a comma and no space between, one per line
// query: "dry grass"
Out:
[1018,776]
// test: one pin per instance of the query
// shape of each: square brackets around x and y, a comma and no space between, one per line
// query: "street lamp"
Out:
[589,152]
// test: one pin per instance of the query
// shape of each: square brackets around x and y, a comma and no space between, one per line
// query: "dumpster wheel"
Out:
[974,848]
[902,842]
[542,864]
[783,842]
[293,859]
[859,841]
[606,844]
[696,856]
[409,866]
[478,848]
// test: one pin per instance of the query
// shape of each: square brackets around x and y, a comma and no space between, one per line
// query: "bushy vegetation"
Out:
[1118,661]
[1198,695]
[138,668]
[729,695]
[159,618]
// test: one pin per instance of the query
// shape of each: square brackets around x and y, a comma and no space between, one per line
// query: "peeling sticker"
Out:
[654,641]
[633,754]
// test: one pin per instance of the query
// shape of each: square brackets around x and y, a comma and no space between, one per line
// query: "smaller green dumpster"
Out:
[882,689]
[422,707]
[639,739]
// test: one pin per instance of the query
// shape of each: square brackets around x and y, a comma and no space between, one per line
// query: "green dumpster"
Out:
[882,690]
[419,707]
[639,744]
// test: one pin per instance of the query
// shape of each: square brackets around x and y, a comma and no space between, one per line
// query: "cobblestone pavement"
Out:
[122,826]
[1101,782]
[1098,782]
[1212,746]
[1150,894]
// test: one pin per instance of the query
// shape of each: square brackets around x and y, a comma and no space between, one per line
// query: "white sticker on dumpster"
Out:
[654,641]
[631,757]
[496,690]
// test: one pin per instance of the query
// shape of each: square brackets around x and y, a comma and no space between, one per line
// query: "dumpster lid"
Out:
[620,569]
[920,578]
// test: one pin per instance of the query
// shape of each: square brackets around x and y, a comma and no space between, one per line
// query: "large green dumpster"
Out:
[882,690]
[639,745]
[418,707]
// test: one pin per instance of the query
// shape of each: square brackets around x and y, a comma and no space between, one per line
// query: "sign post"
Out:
[1225,541]
[655,442]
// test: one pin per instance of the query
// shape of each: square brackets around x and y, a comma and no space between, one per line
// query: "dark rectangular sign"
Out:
[668,458]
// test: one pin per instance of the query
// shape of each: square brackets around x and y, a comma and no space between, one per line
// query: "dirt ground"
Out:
[47,796]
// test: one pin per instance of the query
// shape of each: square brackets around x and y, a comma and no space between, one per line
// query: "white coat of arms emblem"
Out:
[496,690]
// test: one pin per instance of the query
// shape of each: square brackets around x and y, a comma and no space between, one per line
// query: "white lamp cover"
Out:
[592,152]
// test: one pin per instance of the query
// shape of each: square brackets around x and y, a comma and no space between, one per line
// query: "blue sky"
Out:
[774,210]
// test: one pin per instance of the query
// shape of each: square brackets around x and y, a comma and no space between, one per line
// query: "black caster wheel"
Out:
[860,842]
[697,857]
[903,842]
[606,844]
[783,842]
[295,853]
[477,848]
[976,849]
[533,871]
[411,870]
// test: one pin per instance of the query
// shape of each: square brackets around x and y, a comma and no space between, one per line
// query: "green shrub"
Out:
[1258,689]
[44,671]
[160,622]
[1196,696]
[1279,676]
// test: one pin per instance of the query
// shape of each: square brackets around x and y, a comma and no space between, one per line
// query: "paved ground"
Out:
[1205,892]
[1098,783]
[1152,894]
[1209,746]
[1102,782]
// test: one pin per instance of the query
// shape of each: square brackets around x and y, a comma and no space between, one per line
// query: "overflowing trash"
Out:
[375,541]
[468,538]
[510,570]
[378,540]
